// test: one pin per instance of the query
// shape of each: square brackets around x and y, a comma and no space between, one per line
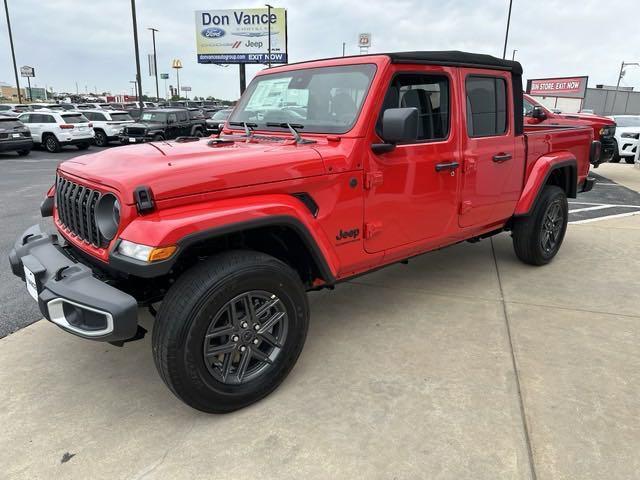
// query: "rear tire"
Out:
[83,146]
[630,160]
[212,343]
[51,144]
[538,236]
[23,153]
[616,153]
[101,138]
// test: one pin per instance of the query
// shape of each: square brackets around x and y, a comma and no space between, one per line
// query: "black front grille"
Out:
[135,131]
[76,210]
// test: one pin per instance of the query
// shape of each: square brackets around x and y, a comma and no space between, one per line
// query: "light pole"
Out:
[13,53]
[269,7]
[620,75]
[344,44]
[506,35]
[513,55]
[135,43]
[155,61]
[135,83]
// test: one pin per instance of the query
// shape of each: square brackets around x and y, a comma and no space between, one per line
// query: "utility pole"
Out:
[135,43]
[344,44]
[506,35]
[13,53]
[269,7]
[513,55]
[620,75]
[155,61]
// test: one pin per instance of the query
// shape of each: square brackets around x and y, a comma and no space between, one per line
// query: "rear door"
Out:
[409,196]
[493,171]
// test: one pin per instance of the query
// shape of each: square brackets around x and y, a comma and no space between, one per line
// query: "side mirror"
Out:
[398,125]
[538,113]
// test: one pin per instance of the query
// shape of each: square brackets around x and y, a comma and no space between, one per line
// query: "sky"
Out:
[90,42]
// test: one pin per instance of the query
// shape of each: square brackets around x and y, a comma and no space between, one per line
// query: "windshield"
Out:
[221,115]
[153,117]
[320,100]
[627,121]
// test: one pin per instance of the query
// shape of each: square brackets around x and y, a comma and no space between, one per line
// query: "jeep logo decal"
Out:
[349,234]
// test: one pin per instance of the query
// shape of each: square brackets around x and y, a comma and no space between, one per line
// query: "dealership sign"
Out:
[241,36]
[572,87]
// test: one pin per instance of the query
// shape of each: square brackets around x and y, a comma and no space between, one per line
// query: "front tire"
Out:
[630,160]
[230,330]
[538,237]
[616,153]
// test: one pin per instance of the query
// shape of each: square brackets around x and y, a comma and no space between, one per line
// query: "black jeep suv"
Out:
[163,124]
[14,136]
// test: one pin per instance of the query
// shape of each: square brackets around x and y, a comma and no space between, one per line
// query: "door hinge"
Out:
[370,229]
[465,207]
[371,179]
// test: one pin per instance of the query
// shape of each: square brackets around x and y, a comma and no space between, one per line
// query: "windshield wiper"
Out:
[248,127]
[292,128]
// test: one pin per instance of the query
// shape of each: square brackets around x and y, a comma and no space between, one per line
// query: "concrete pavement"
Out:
[407,373]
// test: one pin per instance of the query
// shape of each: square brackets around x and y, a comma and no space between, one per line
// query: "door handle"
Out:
[446,166]
[501,157]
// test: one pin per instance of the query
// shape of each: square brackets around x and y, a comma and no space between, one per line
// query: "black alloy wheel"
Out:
[552,225]
[245,337]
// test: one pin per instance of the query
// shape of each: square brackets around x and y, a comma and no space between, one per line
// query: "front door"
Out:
[412,191]
[493,170]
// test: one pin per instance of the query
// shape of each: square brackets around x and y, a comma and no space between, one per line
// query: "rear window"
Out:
[486,106]
[7,123]
[75,118]
[120,117]
[221,115]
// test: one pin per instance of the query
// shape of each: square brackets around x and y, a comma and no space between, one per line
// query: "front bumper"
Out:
[76,140]
[124,139]
[68,293]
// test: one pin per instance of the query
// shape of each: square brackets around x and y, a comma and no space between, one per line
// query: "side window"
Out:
[26,118]
[526,107]
[47,119]
[486,106]
[172,118]
[182,116]
[89,115]
[429,94]
[98,117]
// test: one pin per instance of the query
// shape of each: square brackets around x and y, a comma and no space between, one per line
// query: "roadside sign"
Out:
[177,63]
[27,71]
[241,36]
[364,40]
[185,88]
[568,87]
[164,76]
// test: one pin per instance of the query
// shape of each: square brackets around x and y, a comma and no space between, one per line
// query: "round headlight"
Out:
[108,216]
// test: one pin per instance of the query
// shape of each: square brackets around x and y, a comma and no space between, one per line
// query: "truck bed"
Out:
[541,140]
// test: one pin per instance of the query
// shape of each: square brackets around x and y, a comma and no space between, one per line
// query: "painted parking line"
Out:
[586,209]
[607,217]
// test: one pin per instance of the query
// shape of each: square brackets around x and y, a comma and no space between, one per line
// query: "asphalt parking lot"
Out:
[463,364]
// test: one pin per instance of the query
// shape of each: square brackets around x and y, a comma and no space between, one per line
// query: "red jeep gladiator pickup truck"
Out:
[325,170]
[604,128]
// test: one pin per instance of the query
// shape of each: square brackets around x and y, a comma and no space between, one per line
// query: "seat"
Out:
[421,100]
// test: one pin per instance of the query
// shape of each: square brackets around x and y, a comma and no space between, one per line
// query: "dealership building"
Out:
[571,95]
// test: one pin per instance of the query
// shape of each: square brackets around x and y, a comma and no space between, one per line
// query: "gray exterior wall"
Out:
[601,102]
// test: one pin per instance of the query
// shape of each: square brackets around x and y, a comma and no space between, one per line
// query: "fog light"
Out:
[79,318]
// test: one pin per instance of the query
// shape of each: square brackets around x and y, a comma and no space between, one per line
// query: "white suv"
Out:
[627,135]
[53,129]
[107,124]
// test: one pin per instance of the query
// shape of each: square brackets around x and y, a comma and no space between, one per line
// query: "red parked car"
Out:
[604,128]
[324,171]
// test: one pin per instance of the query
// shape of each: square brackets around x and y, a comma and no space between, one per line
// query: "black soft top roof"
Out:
[456,58]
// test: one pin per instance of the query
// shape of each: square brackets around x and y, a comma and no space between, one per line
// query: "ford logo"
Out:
[212,32]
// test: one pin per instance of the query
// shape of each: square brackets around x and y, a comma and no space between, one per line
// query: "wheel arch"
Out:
[560,169]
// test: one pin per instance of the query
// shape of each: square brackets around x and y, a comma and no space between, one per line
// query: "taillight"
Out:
[66,126]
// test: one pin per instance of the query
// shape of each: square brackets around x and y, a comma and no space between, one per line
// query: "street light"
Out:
[13,53]
[135,43]
[620,75]
[506,35]
[513,55]
[269,7]
[155,60]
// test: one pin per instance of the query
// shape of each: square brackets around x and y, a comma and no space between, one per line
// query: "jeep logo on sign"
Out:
[213,32]
[348,235]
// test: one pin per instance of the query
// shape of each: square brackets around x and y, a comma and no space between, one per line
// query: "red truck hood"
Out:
[587,117]
[175,169]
